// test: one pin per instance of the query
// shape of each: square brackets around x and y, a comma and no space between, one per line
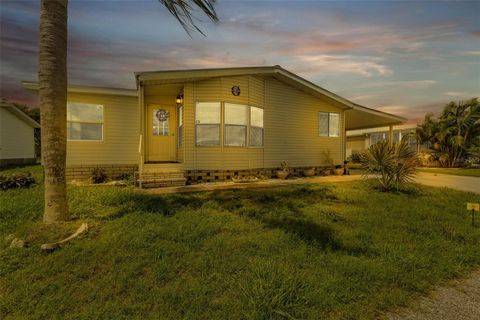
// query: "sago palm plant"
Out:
[393,164]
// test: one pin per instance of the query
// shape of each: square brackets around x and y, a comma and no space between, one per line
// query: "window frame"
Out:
[87,122]
[220,124]
[328,124]
[223,124]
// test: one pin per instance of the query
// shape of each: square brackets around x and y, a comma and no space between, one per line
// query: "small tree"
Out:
[393,164]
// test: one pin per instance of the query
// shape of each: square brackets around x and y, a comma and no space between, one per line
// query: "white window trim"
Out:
[182,126]
[88,122]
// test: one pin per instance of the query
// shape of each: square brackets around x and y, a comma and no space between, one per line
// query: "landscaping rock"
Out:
[19,243]
[49,247]
[116,183]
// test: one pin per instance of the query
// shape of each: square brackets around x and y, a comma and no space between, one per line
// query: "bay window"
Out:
[207,123]
[84,121]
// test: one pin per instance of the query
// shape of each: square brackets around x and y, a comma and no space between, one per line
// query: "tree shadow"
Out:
[280,208]
[148,203]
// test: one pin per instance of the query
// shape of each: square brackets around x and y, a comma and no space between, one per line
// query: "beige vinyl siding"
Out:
[16,137]
[121,132]
[355,144]
[290,126]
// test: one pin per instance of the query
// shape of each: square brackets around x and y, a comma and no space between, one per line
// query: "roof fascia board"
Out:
[202,73]
[33,86]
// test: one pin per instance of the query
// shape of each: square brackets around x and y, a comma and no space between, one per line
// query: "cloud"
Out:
[361,97]
[471,53]
[402,83]
[454,94]
[342,63]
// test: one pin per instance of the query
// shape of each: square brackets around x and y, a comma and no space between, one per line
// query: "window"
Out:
[376,137]
[180,126]
[84,121]
[161,122]
[256,127]
[328,124]
[236,121]
[207,123]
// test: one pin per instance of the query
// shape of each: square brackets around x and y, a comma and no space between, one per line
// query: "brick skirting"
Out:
[201,176]
[113,171]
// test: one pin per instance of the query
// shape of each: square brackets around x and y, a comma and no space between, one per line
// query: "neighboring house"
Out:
[210,124]
[360,140]
[17,142]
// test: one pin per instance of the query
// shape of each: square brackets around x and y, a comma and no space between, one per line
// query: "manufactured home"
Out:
[210,125]
[17,141]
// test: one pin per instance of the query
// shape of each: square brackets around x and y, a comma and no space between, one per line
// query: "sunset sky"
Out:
[403,57]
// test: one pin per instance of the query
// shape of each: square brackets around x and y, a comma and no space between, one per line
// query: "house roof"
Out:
[357,116]
[20,114]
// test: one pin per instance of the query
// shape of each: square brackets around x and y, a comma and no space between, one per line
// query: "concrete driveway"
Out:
[462,183]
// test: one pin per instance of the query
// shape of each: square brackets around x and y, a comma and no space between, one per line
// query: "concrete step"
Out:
[160,178]
[162,175]
[159,183]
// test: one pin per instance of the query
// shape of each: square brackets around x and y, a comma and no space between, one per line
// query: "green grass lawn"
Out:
[332,251]
[454,171]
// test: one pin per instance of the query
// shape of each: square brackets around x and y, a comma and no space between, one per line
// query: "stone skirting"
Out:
[201,176]
[113,171]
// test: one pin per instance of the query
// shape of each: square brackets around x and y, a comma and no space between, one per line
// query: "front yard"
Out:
[332,251]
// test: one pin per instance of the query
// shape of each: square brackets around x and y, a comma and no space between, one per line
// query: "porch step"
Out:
[159,183]
[160,178]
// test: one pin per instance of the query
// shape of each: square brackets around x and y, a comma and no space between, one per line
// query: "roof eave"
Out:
[33,86]
[21,115]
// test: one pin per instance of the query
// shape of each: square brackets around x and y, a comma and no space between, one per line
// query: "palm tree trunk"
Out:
[52,77]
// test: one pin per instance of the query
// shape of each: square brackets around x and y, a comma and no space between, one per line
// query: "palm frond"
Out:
[183,11]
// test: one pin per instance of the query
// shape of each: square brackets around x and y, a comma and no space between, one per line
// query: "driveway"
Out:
[459,300]
[471,184]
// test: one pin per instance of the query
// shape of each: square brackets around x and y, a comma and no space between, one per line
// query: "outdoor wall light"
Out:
[179,99]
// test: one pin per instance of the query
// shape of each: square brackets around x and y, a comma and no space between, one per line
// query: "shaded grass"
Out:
[468,172]
[335,251]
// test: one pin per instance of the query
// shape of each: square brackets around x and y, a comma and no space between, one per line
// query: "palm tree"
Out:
[455,136]
[52,77]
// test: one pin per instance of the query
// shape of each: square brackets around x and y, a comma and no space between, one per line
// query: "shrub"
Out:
[127,178]
[98,175]
[394,165]
[16,180]
[355,157]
